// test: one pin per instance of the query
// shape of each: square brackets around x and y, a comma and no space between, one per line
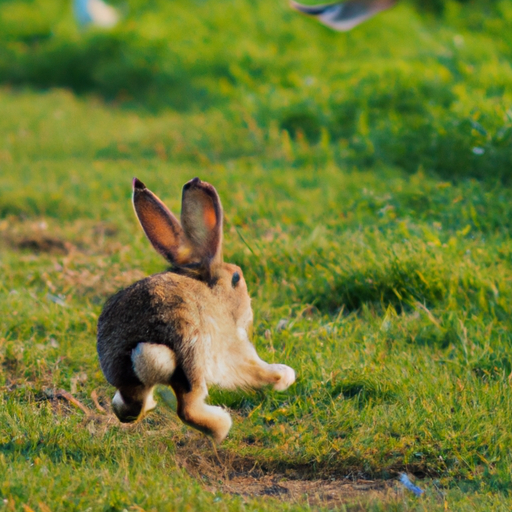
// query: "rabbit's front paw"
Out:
[286,379]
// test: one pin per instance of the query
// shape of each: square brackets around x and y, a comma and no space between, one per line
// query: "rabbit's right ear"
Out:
[162,228]
[201,218]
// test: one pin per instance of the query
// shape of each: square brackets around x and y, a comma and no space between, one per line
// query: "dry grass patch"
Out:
[325,493]
[48,236]
[75,256]
[227,472]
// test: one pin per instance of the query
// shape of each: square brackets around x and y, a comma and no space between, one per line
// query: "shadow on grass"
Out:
[116,66]
[198,456]
[367,388]
[394,283]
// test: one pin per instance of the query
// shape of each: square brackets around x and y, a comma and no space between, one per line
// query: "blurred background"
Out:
[423,85]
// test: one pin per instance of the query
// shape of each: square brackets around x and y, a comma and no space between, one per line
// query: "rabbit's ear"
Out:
[201,218]
[160,225]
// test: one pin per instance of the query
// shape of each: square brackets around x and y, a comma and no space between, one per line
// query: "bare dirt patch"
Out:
[77,255]
[226,472]
[330,493]
[33,237]
[45,244]
[47,236]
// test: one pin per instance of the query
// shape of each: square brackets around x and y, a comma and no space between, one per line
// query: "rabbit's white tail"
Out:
[153,363]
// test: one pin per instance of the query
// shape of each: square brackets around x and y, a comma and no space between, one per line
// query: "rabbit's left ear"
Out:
[201,220]
[160,225]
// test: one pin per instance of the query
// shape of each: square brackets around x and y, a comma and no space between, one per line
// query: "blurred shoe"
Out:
[343,16]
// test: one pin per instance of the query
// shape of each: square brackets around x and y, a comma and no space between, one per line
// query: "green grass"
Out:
[375,241]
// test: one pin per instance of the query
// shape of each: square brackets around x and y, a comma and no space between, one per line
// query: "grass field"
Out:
[366,184]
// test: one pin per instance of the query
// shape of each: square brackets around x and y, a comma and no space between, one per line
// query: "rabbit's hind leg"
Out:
[192,410]
[153,364]
[282,376]
[130,403]
[256,373]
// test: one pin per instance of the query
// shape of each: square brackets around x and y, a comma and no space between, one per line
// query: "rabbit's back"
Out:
[161,309]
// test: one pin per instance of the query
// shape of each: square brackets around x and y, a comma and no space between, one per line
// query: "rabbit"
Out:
[187,327]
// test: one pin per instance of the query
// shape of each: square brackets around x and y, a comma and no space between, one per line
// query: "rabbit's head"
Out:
[193,244]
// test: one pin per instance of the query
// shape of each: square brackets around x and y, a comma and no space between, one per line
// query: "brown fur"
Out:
[188,327]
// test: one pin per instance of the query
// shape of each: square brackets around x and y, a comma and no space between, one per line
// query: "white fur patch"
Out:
[246,319]
[212,321]
[149,402]
[242,334]
[153,363]
[220,421]
[118,401]
[287,377]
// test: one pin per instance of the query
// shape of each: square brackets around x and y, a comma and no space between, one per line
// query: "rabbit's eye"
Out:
[235,279]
